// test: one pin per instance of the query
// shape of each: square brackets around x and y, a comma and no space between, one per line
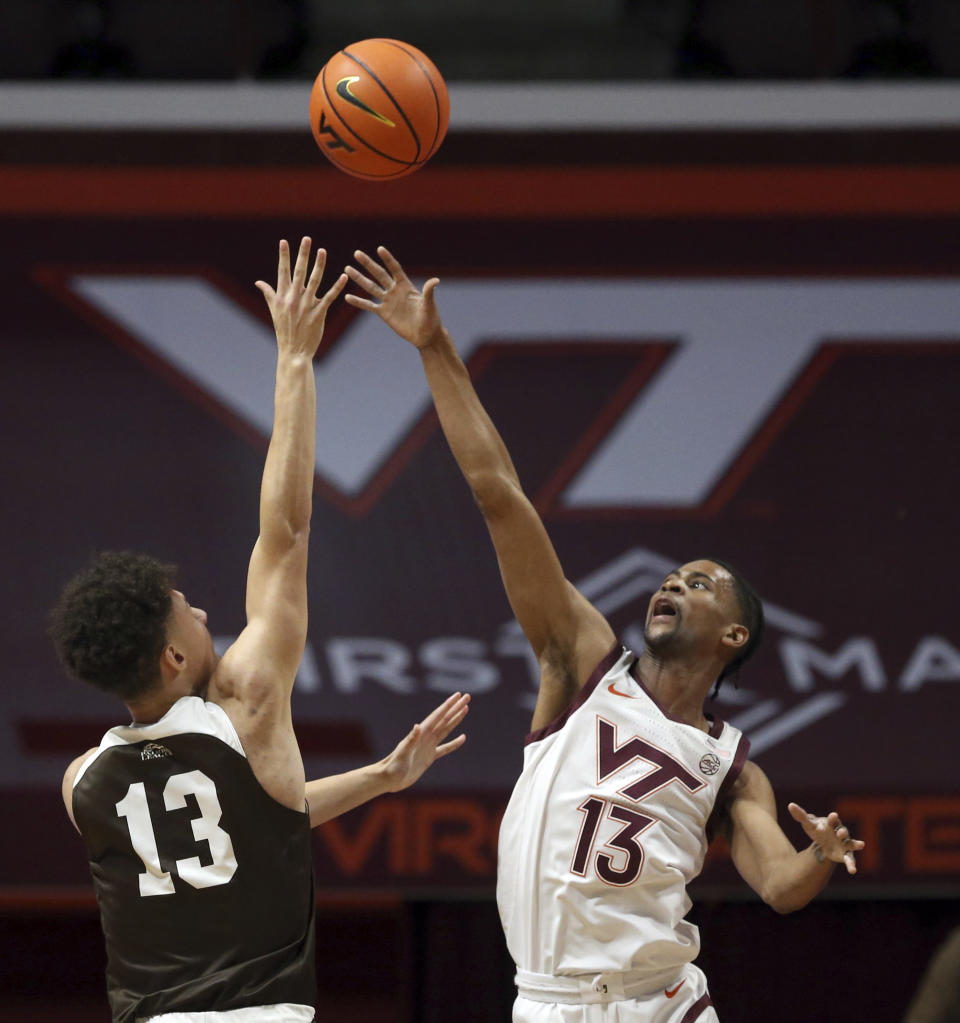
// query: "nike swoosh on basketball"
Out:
[616,692]
[670,994]
[343,91]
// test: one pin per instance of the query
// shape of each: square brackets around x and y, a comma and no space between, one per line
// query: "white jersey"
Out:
[606,827]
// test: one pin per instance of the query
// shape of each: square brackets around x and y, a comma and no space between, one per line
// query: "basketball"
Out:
[379,109]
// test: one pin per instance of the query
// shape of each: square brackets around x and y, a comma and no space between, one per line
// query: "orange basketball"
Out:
[379,109]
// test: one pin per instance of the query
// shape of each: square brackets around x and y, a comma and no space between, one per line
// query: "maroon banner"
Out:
[724,381]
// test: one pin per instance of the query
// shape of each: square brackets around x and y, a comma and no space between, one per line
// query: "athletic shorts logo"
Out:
[154,751]
[710,763]
[670,992]
[343,91]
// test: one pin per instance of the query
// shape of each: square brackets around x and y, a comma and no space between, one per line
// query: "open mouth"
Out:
[664,608]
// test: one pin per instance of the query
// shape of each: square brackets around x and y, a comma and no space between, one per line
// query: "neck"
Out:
[680,685]
[148,713]
[150,707]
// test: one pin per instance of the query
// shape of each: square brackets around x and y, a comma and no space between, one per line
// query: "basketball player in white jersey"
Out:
[624,775]
[196,817]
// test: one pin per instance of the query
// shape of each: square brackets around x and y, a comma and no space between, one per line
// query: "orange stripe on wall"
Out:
[60,898]
[441,192]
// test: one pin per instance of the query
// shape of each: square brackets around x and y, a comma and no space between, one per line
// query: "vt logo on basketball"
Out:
[343,91]
[325,128]
[352,91]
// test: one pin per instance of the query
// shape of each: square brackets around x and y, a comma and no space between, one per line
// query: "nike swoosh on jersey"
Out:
[616,692]
[343,91]
[670,994]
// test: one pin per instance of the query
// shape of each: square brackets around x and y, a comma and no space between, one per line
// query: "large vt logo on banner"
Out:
[740,347]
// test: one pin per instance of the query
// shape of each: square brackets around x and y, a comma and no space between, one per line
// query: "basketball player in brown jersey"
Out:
[596,926]
[194,815]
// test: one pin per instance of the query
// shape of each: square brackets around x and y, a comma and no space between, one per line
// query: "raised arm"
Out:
[568,635]
[255,677]
[767,860]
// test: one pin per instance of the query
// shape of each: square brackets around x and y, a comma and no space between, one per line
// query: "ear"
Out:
[735,636]
[173,660]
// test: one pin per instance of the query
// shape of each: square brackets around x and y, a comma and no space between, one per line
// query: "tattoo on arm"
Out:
[817,852]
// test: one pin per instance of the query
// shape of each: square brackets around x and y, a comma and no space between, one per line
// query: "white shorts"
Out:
[688,1003]
[285,1013]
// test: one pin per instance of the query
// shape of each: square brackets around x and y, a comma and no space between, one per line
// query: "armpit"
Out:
[558,669]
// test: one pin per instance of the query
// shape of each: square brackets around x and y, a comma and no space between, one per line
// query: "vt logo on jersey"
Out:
[343,91]
[613,758]
[624,846]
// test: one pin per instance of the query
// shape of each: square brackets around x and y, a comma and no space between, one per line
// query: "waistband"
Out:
[593,987]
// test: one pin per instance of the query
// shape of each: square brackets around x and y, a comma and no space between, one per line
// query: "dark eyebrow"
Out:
[692,575]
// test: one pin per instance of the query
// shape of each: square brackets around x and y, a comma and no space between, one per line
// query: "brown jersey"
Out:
[204,881]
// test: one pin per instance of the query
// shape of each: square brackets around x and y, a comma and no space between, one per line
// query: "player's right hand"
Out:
[298,314]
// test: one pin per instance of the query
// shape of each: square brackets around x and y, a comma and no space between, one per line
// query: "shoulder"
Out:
[69,777]
[750,792]
[71,772]
[246,674]
[752,783]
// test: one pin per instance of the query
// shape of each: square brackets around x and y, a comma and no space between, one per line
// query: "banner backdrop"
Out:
[780,391]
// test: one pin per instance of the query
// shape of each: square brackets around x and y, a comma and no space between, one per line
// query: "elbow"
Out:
[783,908]
[296,531]
[783,902]
[285,537]
[493,491]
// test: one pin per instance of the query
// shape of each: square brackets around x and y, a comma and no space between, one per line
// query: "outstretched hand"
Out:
[424,743]
[412,314]
[298,315]
[829,836]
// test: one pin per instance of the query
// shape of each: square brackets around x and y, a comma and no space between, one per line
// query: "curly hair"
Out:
[110,625]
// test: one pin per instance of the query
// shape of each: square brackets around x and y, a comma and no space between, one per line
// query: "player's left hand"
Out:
[829,835]
[392,296]
[424,743]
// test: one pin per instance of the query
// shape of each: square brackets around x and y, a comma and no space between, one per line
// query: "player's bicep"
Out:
[276,604]
[757,843]
[277,572]
[261,666]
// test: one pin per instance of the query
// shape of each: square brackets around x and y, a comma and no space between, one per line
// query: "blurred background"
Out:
[701,257]
[646,40]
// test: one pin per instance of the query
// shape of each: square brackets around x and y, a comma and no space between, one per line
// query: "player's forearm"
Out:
[286,493]
[476,445]
[332,796]
[797,879]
